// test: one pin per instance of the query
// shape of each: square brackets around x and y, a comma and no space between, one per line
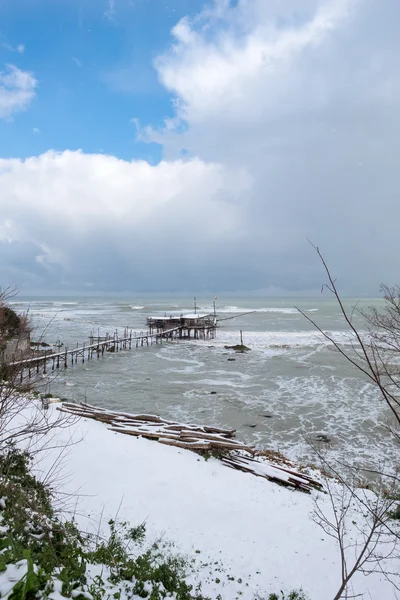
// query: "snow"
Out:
[197,315]
[11,576]
[247,535]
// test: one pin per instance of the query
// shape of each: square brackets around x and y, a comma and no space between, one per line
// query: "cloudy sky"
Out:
[177,145]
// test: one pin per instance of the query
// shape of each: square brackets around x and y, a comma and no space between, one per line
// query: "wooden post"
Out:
[66,358]
[44,363]
[83,354]
[241,338]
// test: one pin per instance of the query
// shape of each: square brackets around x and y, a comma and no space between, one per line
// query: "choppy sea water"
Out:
[289,389]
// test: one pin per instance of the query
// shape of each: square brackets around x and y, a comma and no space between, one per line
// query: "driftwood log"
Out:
[235,454]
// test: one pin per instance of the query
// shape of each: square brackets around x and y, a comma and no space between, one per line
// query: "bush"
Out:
[10,323]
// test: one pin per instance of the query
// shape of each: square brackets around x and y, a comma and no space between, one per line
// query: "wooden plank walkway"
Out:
[94,349]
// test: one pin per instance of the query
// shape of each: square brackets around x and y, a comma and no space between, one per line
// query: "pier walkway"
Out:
[159,330]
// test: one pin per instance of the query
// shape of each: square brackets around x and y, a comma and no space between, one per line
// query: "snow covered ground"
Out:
[247,535]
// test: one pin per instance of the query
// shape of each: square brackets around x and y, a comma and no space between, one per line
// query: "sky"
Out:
[179,146]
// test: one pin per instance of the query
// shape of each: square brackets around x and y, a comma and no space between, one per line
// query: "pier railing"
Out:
[90,351]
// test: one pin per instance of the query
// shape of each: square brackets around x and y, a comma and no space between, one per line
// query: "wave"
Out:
[274,310]
[283,311]
[283,340]
[64,303]
[137,307]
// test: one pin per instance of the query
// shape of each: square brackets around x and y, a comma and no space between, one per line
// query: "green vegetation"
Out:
[10,323]
[217,453]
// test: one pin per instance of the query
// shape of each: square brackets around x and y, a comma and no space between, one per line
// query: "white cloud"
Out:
[303,95]
[84,212]
[36,130]
[77,61]
[111,11]
[17,90]
[246,67]
[9,47]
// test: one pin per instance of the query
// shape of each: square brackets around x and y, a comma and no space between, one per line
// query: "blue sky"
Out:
[197,146]
[94,65]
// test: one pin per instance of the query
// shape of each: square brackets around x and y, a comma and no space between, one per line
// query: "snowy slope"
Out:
[236,525]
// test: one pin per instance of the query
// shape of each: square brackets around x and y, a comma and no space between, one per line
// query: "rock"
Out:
[213,392]
[238,348]
[321,437]
[266,416]
[252,426]
[112,349]
[231,359]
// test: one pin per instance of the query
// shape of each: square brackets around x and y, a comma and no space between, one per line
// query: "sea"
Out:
[291,392]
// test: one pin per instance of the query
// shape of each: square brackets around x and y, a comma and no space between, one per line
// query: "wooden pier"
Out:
[159,330]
